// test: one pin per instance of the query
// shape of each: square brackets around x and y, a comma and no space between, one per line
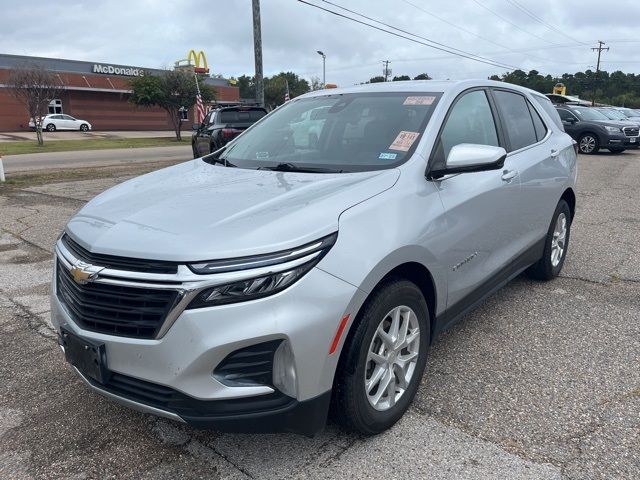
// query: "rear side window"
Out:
[550,110]
[517,119]
[470,121]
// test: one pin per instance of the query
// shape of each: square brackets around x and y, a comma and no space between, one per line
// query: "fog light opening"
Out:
[284,370]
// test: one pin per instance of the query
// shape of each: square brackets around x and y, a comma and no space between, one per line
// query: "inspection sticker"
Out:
[422,100]
[262,155]
[387,156]
[403,141]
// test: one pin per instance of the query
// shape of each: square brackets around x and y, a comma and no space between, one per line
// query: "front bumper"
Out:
[183,360]
[620,141]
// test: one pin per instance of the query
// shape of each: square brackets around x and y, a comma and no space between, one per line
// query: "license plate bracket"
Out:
[632,139]
[88,356]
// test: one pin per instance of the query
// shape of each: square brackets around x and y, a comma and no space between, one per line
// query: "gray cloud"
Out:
[155,34]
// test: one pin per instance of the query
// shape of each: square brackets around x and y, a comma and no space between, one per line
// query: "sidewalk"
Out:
[73,135]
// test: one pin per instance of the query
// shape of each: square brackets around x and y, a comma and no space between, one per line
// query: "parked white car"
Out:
[59,121]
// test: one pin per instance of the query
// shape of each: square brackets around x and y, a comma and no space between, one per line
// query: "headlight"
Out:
[613,129]
[262,285]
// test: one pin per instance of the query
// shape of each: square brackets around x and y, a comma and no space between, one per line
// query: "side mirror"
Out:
[196,126]
[571,121]
[468,157]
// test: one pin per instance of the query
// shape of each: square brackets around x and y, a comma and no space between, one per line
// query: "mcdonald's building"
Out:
[99,93]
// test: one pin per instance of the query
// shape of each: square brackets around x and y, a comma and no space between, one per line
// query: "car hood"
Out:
[197,211]
[612,123]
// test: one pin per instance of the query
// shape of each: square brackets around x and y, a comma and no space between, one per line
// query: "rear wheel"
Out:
[616,150]
[589,144]
[51,127]
[556,245]
[383,360]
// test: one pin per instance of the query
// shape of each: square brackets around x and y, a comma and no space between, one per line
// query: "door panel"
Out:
[478,214]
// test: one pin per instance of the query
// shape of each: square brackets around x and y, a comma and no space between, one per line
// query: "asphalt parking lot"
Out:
[542,382]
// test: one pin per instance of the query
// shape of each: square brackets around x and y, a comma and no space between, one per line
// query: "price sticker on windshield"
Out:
[403,141]
[419,100]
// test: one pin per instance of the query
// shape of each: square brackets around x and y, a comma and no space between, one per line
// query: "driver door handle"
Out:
[508,175]
[555,152]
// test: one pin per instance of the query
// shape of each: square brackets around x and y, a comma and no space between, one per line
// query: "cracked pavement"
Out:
[541,382]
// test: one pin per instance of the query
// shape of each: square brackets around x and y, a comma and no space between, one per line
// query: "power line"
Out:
[467,31]
[412,34]
[447,49]
[530,14]
[511,23]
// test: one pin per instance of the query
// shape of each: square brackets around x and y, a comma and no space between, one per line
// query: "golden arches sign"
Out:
[199,61]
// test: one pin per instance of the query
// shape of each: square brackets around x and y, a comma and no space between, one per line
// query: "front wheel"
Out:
[383,360]
[556,245]
[84,127]
[589,144]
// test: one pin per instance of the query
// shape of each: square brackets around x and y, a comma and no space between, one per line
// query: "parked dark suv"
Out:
[593,130]
[222,125]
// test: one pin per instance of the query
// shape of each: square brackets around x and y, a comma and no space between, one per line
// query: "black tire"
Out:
[194,150]
[544,269]
[350,406]
[50,128]
[616,150]
[84,127]
[588,143]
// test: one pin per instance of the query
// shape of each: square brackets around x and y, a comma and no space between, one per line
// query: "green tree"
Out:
[401,78]
[275,88]
[172,90]
[422,76]
[247,87]
[378,79]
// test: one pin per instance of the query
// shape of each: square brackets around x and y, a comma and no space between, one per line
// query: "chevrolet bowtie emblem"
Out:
[83,273]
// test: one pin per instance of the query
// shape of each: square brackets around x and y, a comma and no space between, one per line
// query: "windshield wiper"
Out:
[291,167]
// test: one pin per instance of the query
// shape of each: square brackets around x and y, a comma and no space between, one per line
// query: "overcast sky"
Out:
[157,33]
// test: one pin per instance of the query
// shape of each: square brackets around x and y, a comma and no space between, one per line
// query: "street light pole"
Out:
[324,77]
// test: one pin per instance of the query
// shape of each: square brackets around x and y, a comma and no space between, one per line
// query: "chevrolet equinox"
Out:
[286,276]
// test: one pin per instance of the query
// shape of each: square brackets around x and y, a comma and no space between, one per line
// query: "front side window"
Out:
[470,121]
[339,132]
[566,115]
[516,118]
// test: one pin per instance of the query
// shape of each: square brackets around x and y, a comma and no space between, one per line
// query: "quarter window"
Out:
[517,119]
[540,127]
[470,121]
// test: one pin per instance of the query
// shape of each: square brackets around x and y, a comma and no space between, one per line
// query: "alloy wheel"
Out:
[587,144]
[392,357]
[558,240]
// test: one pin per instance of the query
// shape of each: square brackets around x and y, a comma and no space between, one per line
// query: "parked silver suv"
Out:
[257,287]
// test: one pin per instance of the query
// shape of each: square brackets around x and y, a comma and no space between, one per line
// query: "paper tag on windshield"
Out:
[403,141]
[421,100]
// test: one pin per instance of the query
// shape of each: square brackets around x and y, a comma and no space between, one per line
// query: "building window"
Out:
[55,106]
[184,114]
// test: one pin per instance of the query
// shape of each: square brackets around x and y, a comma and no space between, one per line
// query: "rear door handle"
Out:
[507,175]
[555,152]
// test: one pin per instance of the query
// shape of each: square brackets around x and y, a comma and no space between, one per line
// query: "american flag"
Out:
[200,110]
[286,94]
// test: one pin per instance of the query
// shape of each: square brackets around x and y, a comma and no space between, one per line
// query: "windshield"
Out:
[586,113]
[613,114]
[340,132]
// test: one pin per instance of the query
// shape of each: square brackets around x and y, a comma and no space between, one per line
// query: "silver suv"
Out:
[258,287]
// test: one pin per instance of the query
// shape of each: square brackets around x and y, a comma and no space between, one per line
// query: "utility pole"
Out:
[386,70]
[257,52]
[324,70]
[599,49]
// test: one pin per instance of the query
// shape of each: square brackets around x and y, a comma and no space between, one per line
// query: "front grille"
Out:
[118,263]
[114,309]
[631,131]
[248,366]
